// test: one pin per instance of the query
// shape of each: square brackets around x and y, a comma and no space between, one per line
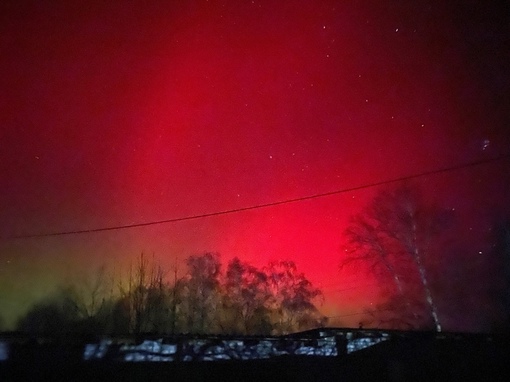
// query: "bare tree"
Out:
[392,236]
[200,292]
[91,294]
[174,301]
[291,298]
[145,300]
[246,293]
[246,299]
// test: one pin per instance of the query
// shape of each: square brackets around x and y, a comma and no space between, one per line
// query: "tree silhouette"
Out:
[144,302]
[92,299]
[245,300]
[55,315]
[246,293]
[291,298]
[392,236]
[200,293]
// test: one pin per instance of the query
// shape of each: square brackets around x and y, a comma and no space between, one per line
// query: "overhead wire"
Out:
[264,205]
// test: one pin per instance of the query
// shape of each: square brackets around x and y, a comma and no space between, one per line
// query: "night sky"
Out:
[117,113]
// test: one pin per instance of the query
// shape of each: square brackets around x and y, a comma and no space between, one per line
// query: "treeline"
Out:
[243,299]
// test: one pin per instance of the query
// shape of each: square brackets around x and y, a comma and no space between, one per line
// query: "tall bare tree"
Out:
[392,236]
[144,301]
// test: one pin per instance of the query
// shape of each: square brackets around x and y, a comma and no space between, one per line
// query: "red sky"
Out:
[115,113]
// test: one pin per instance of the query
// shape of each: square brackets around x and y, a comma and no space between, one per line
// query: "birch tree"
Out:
[392,237]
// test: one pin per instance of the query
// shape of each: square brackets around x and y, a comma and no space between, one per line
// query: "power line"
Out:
[265,205]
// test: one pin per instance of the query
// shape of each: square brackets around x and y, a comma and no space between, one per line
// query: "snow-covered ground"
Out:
[316,343]
[217,349]
[4,351]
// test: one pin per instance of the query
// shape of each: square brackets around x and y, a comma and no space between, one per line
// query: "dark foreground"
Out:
[422,358]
